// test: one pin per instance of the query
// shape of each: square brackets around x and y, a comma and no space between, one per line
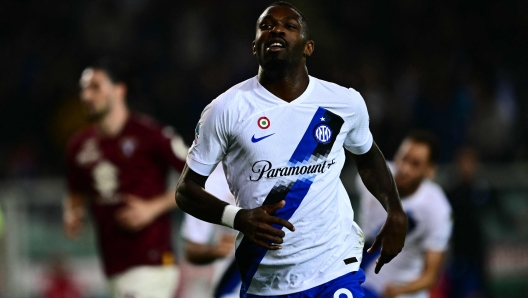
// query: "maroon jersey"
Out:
[136,162]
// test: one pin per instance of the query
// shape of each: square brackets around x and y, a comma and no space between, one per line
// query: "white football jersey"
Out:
[273,150]
[429,229]
[201,232]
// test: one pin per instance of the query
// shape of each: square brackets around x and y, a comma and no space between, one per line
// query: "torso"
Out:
[105,169]
[293,151]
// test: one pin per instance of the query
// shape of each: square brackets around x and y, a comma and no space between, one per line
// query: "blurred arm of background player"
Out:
[433,263]
[134,216]
[74,212]
[138,212]
[202,254]
[377,177]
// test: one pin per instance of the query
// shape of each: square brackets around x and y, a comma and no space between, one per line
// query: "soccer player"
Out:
[417,267]
[118,166]
[207,243]
[280,137]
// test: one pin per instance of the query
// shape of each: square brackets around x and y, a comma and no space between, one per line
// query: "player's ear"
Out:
[254,48]
[309,48]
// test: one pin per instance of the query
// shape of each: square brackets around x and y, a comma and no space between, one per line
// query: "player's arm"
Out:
[139,212]
[74,212]
[201,254]
[376,176]
[433,263]
[255,224]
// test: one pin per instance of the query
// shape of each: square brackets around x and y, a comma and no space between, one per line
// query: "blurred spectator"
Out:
[185,54]
[59,282]
[466,270]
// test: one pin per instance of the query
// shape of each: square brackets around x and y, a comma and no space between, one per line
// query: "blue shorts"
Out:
[346,286]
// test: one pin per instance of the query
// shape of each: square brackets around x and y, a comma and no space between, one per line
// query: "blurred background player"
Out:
[118,166]
[417,267]
[206,243]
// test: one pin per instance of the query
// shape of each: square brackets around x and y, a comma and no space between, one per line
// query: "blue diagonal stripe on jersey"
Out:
[248,254]
[229,281]
[307,144]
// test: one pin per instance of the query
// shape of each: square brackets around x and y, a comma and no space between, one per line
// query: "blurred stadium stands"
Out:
[456,67]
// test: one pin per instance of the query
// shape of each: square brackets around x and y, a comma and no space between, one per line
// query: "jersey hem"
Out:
[326,278]
[200,168]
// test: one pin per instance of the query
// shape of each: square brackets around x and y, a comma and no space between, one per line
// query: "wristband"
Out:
[228,217]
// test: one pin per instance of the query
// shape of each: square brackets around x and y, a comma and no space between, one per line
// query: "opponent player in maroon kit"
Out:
[118,166]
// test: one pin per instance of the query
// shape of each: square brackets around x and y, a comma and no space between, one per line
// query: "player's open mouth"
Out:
[275,46]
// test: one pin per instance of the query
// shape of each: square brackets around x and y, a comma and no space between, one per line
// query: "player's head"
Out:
[283,37]
[466,161]
[102,88]
[415,160]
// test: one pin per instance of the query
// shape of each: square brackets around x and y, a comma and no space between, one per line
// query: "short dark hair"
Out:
[430,140]
[114,69]
[304,21]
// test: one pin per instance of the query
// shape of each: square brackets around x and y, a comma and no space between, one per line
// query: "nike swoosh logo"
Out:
[254,140]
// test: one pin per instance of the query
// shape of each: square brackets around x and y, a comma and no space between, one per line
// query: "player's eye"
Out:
[265,26]
[291,26]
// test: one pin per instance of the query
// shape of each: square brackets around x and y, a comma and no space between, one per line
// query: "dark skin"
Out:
[281,48]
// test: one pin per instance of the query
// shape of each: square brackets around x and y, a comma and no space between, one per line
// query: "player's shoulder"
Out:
[232,102]
[144,122]
[235,94]
[435,197]
[342,93]
[80,136]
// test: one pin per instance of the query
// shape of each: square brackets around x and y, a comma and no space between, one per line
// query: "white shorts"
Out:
[145,282]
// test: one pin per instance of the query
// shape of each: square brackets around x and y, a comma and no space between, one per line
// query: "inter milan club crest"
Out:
[263,122]
[323,133]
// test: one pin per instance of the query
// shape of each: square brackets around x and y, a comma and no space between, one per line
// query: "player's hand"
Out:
[391,291]
[225,245]
[136,214]
[256,225]
[391,238]
[73,222]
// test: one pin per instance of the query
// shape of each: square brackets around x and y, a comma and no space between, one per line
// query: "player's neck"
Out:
[113,123]
[405,192]
[287,84]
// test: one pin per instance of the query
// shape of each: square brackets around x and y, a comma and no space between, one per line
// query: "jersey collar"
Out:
[260,90]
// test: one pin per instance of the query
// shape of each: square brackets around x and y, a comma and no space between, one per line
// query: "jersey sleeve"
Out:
[171,148]
[359,139]
[196,231]
[439,225]
[211,140]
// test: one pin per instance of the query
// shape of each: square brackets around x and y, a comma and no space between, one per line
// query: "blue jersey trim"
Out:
[229,282]
[307,145]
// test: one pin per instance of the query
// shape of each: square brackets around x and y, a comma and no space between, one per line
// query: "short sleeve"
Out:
[210,143]
[359,139]
[439,226]
[171,148]
[197,231]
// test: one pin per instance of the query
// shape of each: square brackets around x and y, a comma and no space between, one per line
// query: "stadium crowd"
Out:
[454,67]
